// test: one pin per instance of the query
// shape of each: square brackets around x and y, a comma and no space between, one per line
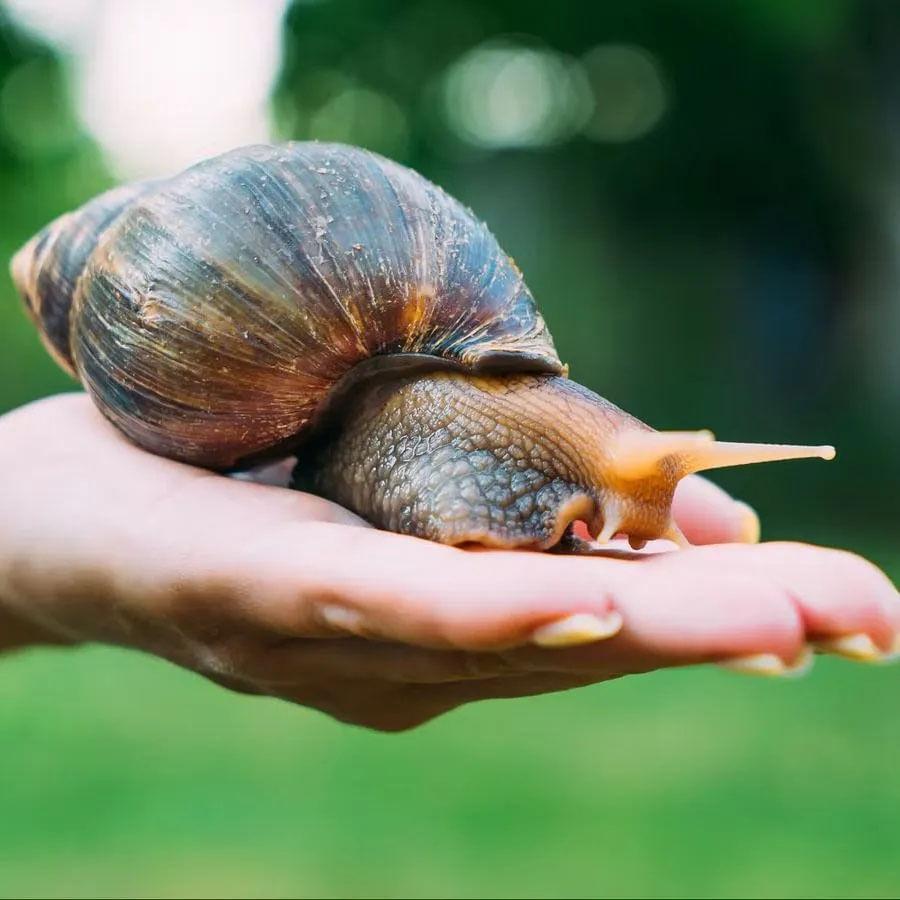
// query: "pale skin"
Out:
[274,592]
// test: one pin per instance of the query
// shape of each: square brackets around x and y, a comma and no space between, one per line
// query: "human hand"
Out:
[271,591]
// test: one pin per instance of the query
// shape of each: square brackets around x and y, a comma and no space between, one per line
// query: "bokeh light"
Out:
[630,95]
[361,116]
[168,82]
[162,83]
[505,94]
[64,23]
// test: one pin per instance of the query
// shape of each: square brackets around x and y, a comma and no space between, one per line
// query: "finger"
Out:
[689,606]
[838,594]
[726,602]
[683,614]
[328,580]
[708,515]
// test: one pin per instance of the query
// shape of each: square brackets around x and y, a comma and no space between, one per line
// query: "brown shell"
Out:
[214,315]
[46,269]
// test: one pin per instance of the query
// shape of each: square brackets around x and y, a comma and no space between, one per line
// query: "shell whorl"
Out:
[213,313]
[46,270]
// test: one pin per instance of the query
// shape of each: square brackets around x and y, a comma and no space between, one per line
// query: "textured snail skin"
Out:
[504,461]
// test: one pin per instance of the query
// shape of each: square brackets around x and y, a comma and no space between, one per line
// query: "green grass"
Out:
[125,776]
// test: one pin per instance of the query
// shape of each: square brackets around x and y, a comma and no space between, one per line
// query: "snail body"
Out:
[319,300]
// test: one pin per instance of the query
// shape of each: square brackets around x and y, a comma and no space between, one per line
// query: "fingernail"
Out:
[340,618]
[770,665]
[749,518]
[580,628]
[859,647]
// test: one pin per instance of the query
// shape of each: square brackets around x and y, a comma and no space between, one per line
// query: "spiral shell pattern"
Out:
[211,314]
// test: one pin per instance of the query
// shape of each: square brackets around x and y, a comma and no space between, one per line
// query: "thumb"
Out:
[708,515]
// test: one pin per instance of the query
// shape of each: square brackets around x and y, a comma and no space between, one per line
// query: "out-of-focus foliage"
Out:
[47,166]
[123,777]
[705,199]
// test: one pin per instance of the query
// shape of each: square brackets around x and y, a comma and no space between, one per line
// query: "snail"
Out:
[320,301]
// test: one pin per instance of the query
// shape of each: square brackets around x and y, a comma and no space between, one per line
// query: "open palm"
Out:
[271,591]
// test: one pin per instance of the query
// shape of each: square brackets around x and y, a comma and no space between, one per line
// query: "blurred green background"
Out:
[705,199]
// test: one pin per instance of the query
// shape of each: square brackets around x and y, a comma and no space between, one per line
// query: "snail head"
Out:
[514,460]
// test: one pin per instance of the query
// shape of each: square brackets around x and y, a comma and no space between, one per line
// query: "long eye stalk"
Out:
[638,454]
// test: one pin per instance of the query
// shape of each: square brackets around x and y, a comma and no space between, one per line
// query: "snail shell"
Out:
[230,313]
[216,315]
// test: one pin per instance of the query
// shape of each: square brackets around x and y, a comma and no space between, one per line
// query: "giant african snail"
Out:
[318,299]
